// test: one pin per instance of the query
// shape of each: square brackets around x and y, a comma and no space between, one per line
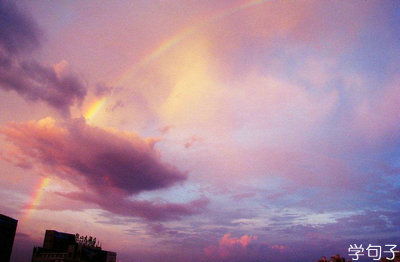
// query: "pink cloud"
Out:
[229,246]
[228,240]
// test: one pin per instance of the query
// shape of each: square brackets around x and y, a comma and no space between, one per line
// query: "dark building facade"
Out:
[57,241]
[65,247]
[8,227]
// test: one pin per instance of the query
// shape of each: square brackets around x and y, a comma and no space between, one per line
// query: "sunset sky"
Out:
[202,130]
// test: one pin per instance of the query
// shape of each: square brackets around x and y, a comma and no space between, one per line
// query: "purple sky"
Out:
[201,131]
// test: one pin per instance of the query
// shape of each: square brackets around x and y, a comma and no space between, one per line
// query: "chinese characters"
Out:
[375,252]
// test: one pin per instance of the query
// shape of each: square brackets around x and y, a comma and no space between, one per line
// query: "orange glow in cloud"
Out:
[37,196]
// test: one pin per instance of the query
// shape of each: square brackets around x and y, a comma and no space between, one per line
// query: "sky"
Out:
[187,130]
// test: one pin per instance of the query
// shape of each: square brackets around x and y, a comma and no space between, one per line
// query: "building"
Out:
[65,247]
[8,226]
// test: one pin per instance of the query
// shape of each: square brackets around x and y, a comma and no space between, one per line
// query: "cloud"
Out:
[229,246]
[165,129]
[240,196]
[36,82]
[103,90]
[19,32]
[377,115]
[361,226]
[228,240]
[191,141]
[109,166]
[116,105]
[30,79]
[279,247]
[150,210]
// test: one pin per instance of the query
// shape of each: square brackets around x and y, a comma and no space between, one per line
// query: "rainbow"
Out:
[179,37]
[166,45]
[94,108]
[37,196]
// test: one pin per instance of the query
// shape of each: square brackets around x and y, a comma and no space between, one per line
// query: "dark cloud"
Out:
[18,31]
[35,82]
[108,165]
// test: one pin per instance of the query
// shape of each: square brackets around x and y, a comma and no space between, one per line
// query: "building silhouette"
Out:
[65,247]
[8,227]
